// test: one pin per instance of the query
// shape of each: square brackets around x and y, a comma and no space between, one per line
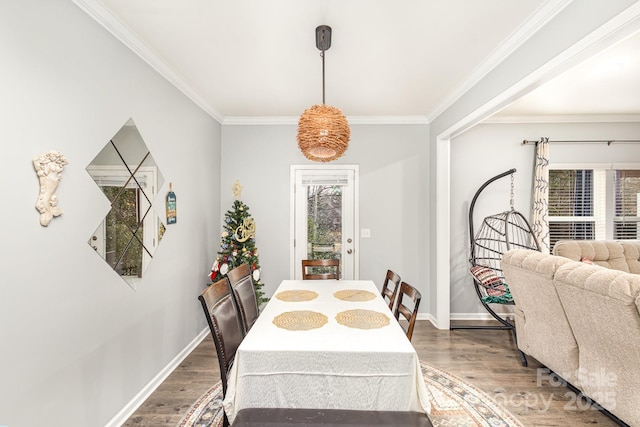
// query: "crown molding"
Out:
[96,10]
[565,118]
[388,120]
[542,16]
[259,120]
[353,120]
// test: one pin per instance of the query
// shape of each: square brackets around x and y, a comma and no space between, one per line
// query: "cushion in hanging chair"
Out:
[505,298]
[497,290]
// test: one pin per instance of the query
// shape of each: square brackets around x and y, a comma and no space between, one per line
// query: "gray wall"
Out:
[489,149]
[76,343]
[389,157]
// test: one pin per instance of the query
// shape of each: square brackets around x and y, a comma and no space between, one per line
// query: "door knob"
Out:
[349,251]
[349,240]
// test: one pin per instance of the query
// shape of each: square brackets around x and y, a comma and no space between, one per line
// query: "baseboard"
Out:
[128,410]
[463,316]
[427,316]
[477,316]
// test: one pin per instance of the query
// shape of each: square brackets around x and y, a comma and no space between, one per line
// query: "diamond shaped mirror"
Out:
[129,178]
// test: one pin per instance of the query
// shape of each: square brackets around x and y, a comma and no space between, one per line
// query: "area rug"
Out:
[453,403]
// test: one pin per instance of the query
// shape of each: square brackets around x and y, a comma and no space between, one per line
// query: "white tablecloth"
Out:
[334,366]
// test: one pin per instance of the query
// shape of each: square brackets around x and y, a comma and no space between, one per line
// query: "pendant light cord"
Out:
[322,55]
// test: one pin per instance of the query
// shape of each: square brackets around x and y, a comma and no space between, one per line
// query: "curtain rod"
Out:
[590,141]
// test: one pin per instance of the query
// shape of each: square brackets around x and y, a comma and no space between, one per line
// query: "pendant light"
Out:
[323,131]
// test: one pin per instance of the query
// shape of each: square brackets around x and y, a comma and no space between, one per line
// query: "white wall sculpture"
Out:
[49,167]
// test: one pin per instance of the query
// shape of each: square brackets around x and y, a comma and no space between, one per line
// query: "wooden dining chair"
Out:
[245,296]
[390,288]
[320,269]
[224,323]
[408,309]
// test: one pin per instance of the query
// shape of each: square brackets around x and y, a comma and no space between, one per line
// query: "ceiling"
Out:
[402,58]
[608,84]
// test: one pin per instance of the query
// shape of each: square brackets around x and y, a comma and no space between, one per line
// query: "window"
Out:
[593,203]
[627,192]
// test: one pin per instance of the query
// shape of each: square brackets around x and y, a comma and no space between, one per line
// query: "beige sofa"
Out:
[582,320]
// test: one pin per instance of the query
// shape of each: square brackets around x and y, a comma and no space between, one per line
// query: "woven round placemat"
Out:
[301,320]
[354,295]
[296,295]
[362,319]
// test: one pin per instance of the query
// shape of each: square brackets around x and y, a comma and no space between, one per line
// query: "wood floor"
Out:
[484,358]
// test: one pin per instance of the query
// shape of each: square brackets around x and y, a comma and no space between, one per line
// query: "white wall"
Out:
[389,158]
[76,342]
[489,149]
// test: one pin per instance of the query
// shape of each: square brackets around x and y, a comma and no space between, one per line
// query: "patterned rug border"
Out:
[206,411]
[486,412]
[454,402]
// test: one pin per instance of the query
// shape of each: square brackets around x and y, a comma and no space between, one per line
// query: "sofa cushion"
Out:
[631,249]
[605,253]
[603,309]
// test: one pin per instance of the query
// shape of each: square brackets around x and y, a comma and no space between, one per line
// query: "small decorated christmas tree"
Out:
[238,245]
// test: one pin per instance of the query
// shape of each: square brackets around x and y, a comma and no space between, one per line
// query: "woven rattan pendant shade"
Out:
[323,131]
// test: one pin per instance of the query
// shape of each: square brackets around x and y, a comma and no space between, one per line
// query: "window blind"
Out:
[571,205]
[627,190]
[334,179]
[120,181]
[587,204]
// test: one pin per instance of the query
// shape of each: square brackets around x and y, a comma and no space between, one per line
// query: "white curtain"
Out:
[540,206]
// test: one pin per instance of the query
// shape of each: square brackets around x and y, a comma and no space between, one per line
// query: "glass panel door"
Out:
[324,217]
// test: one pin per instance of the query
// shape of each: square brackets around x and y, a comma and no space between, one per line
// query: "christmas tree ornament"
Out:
[236,189]
[246,231]
[224,269]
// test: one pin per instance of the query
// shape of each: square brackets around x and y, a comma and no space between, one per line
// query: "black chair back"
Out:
[226,330]
[245,296]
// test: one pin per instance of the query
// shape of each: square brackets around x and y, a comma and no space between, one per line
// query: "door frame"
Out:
[356,213]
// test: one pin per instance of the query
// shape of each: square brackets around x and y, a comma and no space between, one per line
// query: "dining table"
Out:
[326,344]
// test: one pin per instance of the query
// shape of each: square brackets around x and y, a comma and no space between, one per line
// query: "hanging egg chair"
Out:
[497,234]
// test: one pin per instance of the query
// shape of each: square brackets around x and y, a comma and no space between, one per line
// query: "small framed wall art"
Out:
[171,206]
